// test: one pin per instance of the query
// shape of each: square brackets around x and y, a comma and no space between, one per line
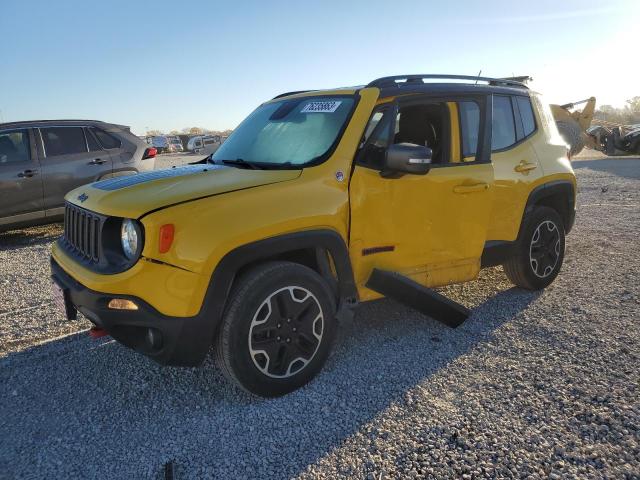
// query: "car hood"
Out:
[135,195]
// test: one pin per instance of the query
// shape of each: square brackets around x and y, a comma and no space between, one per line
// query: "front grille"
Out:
[82,232]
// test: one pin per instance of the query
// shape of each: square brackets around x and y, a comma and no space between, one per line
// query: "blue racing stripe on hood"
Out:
[117,183]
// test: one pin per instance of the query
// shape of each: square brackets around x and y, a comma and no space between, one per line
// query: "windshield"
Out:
[289,132]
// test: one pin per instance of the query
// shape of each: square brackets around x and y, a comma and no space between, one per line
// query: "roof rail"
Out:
[399,80]
[286,94]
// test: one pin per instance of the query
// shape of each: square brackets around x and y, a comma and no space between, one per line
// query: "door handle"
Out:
[97,161]
[28,173]
[478,187]
[524,167]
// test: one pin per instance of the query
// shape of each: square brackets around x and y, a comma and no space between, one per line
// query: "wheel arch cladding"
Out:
[558,195]
[298,244]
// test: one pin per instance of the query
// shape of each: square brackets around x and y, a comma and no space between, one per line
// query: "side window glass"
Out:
[375,119]
[427,125]
[106,140]
[379,137]
[91,141]
[63,140]
[14,146]
[526,114]
[469,129]
[503,127]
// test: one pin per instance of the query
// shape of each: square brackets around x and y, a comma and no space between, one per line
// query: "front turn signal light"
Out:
[166,237]
[122,304]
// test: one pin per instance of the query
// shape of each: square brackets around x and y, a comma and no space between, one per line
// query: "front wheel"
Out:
[539,252]
[277,330]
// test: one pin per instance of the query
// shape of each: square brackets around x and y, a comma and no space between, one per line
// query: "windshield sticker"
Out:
[321,107]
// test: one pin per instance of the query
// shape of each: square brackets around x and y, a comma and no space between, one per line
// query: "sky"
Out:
[165,65]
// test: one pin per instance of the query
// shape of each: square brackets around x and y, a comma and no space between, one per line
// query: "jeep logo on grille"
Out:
[83,197]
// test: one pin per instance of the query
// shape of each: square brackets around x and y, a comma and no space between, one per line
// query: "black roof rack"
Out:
[286,94]
[400,80]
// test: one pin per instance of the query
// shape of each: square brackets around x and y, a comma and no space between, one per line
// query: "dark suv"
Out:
[40,161]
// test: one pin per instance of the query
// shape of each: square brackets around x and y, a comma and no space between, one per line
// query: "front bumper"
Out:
[180,341]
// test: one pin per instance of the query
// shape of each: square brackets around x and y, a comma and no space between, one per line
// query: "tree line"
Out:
[627,115]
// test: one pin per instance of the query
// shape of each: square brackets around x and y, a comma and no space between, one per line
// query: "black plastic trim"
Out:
[419,297]
[564,187]
[182,341]
[188,339]
[496,252]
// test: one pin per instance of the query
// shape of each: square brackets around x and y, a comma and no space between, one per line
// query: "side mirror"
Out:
[404,158]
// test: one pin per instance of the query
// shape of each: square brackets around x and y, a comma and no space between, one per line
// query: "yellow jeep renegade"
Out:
[421,180]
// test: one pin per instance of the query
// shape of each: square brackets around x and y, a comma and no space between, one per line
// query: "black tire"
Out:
[539,250]
[268,341]
[571,134]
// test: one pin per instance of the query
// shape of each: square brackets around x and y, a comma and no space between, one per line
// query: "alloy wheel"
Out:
[286,332]
[544,250]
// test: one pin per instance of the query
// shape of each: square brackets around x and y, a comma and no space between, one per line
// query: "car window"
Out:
[425,124]
[526,114]
[92,143]
[375,118]
[373,152]
[63,140]
[503,132]
[14,146]
[106,139]
[469,128]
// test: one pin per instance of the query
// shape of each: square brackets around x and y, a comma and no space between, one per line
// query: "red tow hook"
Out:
[97,332]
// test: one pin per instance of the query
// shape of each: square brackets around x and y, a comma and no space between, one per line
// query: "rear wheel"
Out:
[277,330]
[539,252]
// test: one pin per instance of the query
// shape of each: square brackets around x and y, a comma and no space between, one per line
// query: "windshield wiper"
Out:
[239,162]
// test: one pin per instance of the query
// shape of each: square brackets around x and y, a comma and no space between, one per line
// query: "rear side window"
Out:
[503,127]
[63,140]
[14,146]
[526,114]
[469,128]
[92,143]
[106,139]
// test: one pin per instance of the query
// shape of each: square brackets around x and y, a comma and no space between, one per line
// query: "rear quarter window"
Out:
[106,139]
[526,115]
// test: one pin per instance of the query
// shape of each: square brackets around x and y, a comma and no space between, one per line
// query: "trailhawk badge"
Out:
[83,197]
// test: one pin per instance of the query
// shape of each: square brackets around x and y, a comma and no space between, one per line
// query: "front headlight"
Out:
[130,238]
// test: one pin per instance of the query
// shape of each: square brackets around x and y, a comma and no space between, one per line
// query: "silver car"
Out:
[40,161]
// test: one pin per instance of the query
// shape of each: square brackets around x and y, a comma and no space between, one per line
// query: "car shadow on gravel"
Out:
[101,397]
[12,239]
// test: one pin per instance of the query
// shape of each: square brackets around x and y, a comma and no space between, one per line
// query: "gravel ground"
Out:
[533,385]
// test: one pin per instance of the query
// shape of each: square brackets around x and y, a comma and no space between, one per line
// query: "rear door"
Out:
[515,163]
[20,177]
[121,153]
[71,158]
